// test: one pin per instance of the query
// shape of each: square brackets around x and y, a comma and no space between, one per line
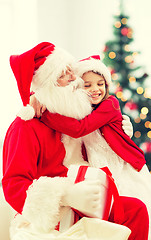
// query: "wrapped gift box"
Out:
[108,194]
[80,173]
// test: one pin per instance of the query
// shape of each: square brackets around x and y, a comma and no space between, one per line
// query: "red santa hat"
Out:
[93,63]
[39,67]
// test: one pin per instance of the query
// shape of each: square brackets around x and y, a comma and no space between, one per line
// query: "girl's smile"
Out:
[94,84]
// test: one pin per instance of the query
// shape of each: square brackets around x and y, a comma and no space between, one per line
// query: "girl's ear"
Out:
[107,91]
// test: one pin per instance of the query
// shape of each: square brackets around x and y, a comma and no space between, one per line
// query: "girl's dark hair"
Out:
[106,85]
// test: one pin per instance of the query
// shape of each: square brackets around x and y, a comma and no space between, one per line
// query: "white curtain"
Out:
[18,24]
[18,31]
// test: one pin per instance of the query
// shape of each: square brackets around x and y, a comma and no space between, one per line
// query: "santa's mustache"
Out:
[77,83]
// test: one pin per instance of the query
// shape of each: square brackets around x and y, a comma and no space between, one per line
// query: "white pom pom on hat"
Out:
[26,113]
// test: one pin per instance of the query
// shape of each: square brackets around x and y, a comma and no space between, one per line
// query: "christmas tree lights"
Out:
[129,81]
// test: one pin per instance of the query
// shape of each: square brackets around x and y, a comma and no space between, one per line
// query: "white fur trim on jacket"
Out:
[93,65]
[42,205]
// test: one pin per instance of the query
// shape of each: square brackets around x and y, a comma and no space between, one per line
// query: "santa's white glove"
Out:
[127,126]
[83,196]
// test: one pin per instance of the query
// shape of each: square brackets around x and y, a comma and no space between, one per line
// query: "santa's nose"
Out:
[72,77]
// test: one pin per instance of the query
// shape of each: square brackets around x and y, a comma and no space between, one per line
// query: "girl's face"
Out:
[94,84]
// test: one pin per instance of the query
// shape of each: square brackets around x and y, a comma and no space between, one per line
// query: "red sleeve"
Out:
[19,166]
[107,112]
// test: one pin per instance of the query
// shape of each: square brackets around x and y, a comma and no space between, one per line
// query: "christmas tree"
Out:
[129,81]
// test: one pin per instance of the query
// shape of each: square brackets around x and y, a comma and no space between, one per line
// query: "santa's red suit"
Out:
[35,160]
[31,150]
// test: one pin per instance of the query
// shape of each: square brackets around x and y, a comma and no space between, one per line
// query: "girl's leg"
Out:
[135,218]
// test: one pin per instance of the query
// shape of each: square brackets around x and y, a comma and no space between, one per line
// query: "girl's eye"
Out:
[86,85]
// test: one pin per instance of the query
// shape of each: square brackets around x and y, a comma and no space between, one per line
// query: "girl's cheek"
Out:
[86,89]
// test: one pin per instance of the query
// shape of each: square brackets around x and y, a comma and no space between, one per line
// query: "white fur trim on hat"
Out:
[93,65]
[48,73]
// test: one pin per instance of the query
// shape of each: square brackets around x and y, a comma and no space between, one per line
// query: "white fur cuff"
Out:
[42,205]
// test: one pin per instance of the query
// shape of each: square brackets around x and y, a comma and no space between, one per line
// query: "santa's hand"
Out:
[83,196]
[127,126]
[38,107]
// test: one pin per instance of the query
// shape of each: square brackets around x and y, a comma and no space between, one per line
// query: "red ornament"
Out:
[118,89]
[131,106]
[124,31]
[146,147]
[105,49]
[112,71]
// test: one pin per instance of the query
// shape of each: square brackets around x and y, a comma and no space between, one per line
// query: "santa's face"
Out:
[94,84]
[66,77]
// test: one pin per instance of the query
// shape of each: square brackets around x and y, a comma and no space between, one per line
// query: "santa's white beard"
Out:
[69,101]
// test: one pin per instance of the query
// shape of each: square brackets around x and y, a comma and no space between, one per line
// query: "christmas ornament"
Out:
[118,89]
[124,31]
[105,49]
[146,147]
[131,105]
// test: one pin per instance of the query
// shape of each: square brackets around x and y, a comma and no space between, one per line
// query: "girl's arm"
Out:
[108,112]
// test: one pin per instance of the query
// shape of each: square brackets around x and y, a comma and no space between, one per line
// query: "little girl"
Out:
[123,157]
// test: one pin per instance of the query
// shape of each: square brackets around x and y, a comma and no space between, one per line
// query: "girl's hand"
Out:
[127,126]
[38,107]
